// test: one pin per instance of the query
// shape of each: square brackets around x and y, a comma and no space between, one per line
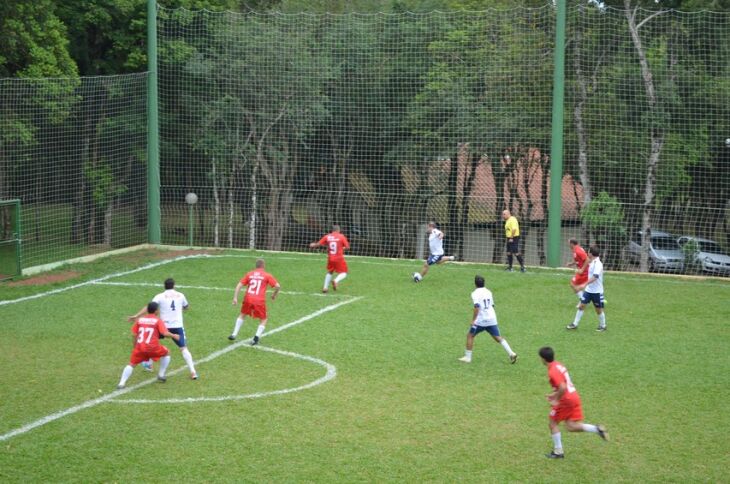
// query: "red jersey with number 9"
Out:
[257,280]
[148,330]
[336,244]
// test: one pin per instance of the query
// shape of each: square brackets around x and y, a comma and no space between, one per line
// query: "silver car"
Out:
[709,255]
[665,254]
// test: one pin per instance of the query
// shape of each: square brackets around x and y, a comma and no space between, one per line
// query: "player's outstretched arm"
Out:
[277,288]
[138,314]
[235,293]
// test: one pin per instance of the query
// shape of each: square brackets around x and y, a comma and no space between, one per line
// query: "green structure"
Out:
[10,239]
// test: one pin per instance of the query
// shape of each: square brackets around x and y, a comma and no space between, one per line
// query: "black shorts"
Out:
[514,246]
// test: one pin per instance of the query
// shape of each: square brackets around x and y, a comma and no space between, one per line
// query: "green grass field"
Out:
[400,407]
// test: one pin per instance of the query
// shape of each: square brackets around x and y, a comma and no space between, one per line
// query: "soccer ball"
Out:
[417,277]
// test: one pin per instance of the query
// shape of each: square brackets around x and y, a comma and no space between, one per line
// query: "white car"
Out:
[709,255]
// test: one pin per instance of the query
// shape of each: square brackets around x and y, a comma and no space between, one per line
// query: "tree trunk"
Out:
[656,132]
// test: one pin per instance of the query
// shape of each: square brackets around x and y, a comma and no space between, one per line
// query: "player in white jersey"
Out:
[484,318]
[436,250]
[592,291]
[172,304]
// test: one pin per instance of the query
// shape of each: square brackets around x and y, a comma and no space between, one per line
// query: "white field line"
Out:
[204,288]
[110,396]
[331,373]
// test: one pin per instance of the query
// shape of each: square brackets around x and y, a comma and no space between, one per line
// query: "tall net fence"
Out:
[74,152]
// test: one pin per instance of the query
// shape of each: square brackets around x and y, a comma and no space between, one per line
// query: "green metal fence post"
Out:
[153,141]
[556,148]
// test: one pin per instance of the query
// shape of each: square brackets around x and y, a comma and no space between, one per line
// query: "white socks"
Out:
[164,361]
[340,277]
[557,443]
[260,330]
[327,280]
[239,323]
[126,374]
[578,315]
[590,428]
[188,359]
[602,320]
[506,347]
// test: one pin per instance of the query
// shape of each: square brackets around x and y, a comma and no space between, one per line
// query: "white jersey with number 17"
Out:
[482,299]
[171,304]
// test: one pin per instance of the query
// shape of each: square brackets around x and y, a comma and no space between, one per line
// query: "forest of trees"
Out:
[404,114]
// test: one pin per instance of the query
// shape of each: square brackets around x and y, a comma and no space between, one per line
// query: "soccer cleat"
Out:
[334,285]
[513,358]
[255,341]
[120,387]
[161,379]
[465,359]
[553,455]
[601,329]
[509,269]
[231,337]
[147,366]
[324,291]
[193,376]
[522,269]
[571,326]
[602,432]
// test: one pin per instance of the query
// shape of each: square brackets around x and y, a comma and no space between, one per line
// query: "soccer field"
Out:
[362,384]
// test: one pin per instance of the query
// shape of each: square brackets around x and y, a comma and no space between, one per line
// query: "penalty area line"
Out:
[110,396]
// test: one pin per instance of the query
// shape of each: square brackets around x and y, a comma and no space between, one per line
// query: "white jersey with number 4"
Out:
[436,242]
[482,299]
[595,269]
[171,304]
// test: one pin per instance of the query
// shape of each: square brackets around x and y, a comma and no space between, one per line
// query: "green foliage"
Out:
[604,217]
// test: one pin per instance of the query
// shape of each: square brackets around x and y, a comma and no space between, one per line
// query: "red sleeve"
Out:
[272,281]
[345,242]
[323,240]
[135,328]
[246,279]
[556,378]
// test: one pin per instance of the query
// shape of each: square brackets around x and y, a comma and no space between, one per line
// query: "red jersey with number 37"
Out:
[257,280]
[148,330]
[336,244]
[558,374]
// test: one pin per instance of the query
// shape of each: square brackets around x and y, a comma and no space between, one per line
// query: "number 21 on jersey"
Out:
[253,286]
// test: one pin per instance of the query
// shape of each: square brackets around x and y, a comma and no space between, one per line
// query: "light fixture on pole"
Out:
[191,199]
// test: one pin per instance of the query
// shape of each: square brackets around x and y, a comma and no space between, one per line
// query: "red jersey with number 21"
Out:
[558,374]
[336,244]
[257,280]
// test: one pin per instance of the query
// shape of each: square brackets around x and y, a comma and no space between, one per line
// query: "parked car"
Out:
[710,256]
[665,254]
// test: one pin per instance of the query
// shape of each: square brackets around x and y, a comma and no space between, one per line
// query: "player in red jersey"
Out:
[336,244]
[565,403]
[580,262]
[254,301]
[147,331]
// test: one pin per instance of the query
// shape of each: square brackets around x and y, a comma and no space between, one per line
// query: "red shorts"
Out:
[156,352]
[579,279]
[337,265]
[255,310]
[567,411]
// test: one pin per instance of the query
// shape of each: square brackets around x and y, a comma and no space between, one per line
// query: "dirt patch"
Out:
[45,279]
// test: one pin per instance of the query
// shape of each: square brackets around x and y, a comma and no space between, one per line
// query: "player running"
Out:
[592,291]
[484,318]
[147,331]
[336,244]
[254,301]
[565,403]
[172,303]
[436,249]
